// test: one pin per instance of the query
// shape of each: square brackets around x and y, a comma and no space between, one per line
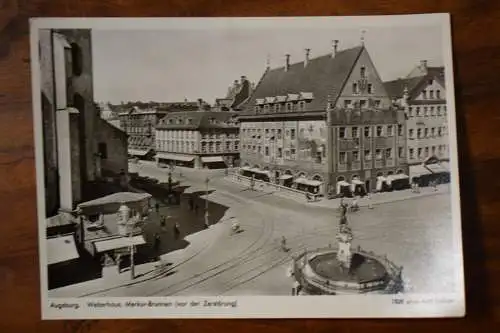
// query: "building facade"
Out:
[74,135]
[140,121]
[423,96]
[323,125]
[198,139]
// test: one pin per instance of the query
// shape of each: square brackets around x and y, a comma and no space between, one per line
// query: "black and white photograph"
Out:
[247,167]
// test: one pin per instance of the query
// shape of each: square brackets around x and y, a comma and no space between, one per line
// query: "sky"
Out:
[173,65]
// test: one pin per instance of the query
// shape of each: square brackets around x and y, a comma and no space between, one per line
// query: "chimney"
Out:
[335,46]
[306,60]
[287,62]
[423,64]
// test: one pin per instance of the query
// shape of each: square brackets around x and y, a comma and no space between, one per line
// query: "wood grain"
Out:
[476,54]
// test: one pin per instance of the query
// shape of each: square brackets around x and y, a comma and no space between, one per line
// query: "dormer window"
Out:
[179,121]
[431,94]
[354,88]
[289,106]
[302,105]
[189,121]
[424,94]
[362,72]
[266,107]
[438,94]
[170,121]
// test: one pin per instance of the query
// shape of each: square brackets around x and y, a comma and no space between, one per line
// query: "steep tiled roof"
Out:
[199,120]
[395,88]
[323,76]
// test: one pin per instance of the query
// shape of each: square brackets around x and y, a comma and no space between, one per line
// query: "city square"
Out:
[252,262]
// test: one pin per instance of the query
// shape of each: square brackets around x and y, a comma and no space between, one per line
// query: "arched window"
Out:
[390,173]
[380,174]
[340,178]
[318,178]
[400,171]
[354,177]
[76,59]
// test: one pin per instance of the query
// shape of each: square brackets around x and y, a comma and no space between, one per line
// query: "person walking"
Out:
[369,199]
[157,207]
[177,230]
[283,244]
[157,243]
[163,221]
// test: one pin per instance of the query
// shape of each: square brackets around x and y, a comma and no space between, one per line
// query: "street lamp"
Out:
[206,201]
[127,226]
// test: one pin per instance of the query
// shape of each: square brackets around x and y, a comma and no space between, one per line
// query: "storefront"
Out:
[308,185]
[344,188]
[165,160]
[213,162]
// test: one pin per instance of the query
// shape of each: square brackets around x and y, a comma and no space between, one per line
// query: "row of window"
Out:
[380,131]
[362,103]
[356,89]
[425,133]
[192,135]
[427,152]
[139,130]
[431,94]
[256,133]
[427,111]
[190,147]
[279,107]
[367,154]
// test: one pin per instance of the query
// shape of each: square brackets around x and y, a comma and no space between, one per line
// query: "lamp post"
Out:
[206,201]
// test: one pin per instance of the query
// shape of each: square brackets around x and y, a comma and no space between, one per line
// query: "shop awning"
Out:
[255,170]
[286,177]
[61,249]
[176,157]
[419,170]
[118,243]
[246,168]
[343,183]
[357,182]
[436,168]
[309,182]
[397,176]
[119,197]
[211,159]
[138,152]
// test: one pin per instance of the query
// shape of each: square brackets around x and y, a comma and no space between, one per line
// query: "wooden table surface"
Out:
[476,46]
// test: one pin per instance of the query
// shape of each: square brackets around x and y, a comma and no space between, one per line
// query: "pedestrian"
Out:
[434,184]
[283,244]
[163,220]
[157,207]
[177,231]
[369,199]
[157,242]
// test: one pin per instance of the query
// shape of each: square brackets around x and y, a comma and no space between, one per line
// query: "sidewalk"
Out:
[376,199]
[199,242]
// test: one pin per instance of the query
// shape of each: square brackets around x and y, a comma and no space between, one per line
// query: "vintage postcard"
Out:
[247,167]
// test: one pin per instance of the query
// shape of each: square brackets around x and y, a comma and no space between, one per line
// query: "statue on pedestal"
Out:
[344,237]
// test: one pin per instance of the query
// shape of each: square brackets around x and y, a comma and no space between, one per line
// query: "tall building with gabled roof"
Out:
[324,124]
[423,96]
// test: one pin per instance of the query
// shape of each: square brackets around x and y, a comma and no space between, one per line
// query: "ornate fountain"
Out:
[344,270]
